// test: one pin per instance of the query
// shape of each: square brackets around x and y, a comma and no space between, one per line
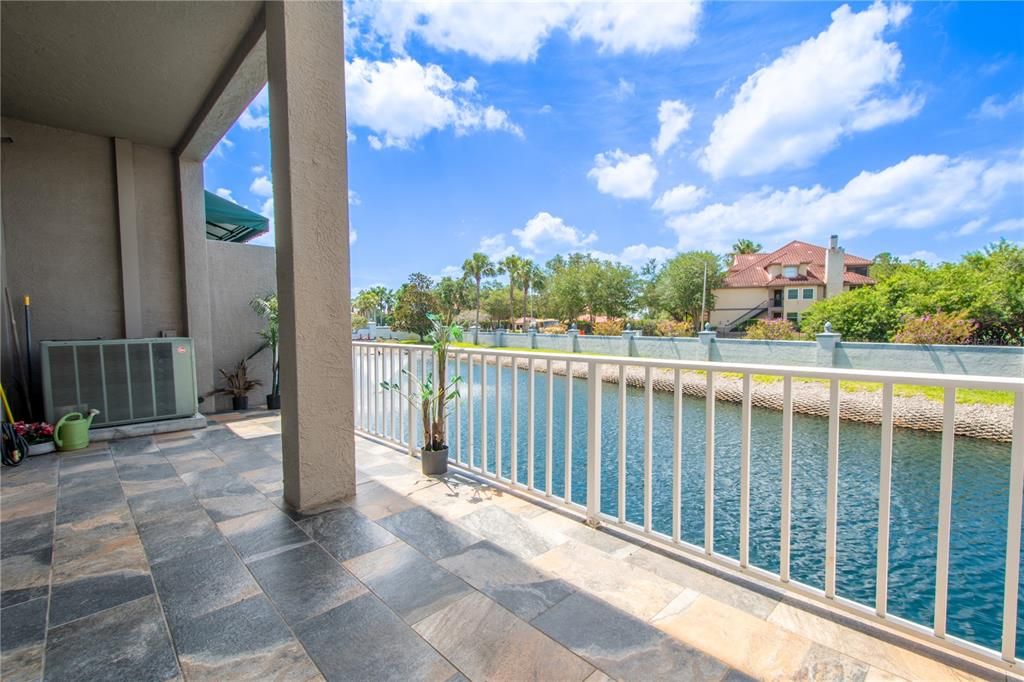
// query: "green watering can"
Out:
[72,431]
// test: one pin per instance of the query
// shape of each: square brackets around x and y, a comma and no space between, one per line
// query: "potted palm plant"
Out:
[433,395]
[266,307]
[238,385]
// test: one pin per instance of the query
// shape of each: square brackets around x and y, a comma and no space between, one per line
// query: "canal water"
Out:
[980,493]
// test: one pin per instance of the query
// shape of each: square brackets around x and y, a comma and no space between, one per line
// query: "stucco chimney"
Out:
[835,266]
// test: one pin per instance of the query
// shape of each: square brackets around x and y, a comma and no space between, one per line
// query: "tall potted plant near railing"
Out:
[433,395]
[266,307]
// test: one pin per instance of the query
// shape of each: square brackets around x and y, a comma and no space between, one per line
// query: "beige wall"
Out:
[800,304]
[61,232]
[239,272]
[732,303]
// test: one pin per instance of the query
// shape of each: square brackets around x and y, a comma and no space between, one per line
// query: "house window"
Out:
[792,294]
[808,293]
[791,271]
[793,317]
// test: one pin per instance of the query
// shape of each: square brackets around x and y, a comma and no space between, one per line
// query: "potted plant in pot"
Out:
[266,307]
[38,435]
[433,396]
[238,385]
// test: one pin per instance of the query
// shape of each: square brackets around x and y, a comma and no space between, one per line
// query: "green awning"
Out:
[226,221]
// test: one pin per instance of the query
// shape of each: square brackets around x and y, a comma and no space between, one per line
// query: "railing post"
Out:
[1013,523]
[826,351]
[706,337]
[594,443]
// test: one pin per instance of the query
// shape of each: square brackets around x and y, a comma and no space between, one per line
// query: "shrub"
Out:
[553,329]
[359,321]
[773,330]
[944,328]
[673,328]
[609,328]
[646,326]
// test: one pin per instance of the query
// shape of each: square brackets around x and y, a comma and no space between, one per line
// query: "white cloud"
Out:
[546,109]
[624,176]
[636,255]
[224,193]
[644,27]
[402,100]
[547,232]
[496,31]
[929,257]
[1008,225]
[262,187]
[921,192]
[267,209]
[674,117]
[971,226]
[257,115]
[797,108]
[992,107]
[680,198]
[222,147]
[495,247]
[352,236]
[350,136]
[258,169]
[353,198]
[624,90]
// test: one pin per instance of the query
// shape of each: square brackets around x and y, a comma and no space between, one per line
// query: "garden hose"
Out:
[15,447]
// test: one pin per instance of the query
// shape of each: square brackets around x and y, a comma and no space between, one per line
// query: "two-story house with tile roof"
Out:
[785,282]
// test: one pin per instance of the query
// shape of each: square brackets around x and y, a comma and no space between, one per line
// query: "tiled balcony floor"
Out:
[167,557]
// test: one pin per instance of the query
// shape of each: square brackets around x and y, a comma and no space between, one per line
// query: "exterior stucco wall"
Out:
[732,303]
[61,231]
[159,241]
[238,273]
[799,304]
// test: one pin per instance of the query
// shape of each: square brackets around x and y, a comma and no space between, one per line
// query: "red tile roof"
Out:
[751,270]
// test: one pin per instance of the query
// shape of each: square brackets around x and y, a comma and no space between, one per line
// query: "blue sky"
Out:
[637,130]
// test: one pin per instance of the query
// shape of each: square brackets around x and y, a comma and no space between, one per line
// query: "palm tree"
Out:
[530,276]
[475,268]
[513,267]
[743,246]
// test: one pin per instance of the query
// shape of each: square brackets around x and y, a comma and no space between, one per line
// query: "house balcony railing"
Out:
[489,438]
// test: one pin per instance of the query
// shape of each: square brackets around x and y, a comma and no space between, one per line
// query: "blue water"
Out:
[980,489]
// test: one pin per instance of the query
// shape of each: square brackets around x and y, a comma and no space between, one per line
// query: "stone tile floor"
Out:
[175,557]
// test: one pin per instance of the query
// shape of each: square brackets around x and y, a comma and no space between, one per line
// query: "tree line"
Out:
[514,292]
[979,299]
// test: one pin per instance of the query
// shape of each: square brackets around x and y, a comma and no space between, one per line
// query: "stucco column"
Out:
[306,68]
[197,273]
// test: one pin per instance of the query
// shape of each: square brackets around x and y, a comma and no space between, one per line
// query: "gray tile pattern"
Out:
[174,557]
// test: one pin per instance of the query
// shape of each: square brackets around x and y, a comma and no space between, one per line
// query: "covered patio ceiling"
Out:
[149,71]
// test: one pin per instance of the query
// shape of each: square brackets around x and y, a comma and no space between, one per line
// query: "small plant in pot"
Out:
[266,307]
[38,435]
[238,385]
[433,395]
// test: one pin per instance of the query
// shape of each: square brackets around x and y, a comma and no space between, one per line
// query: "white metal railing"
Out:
[384,415]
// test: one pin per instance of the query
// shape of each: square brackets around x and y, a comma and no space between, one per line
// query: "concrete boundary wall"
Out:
[827,350]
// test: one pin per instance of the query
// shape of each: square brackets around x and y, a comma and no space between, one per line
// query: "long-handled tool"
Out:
[22,382]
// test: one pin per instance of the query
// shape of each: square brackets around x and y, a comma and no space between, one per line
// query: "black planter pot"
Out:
[273,402]
[434,462]
[239,403]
